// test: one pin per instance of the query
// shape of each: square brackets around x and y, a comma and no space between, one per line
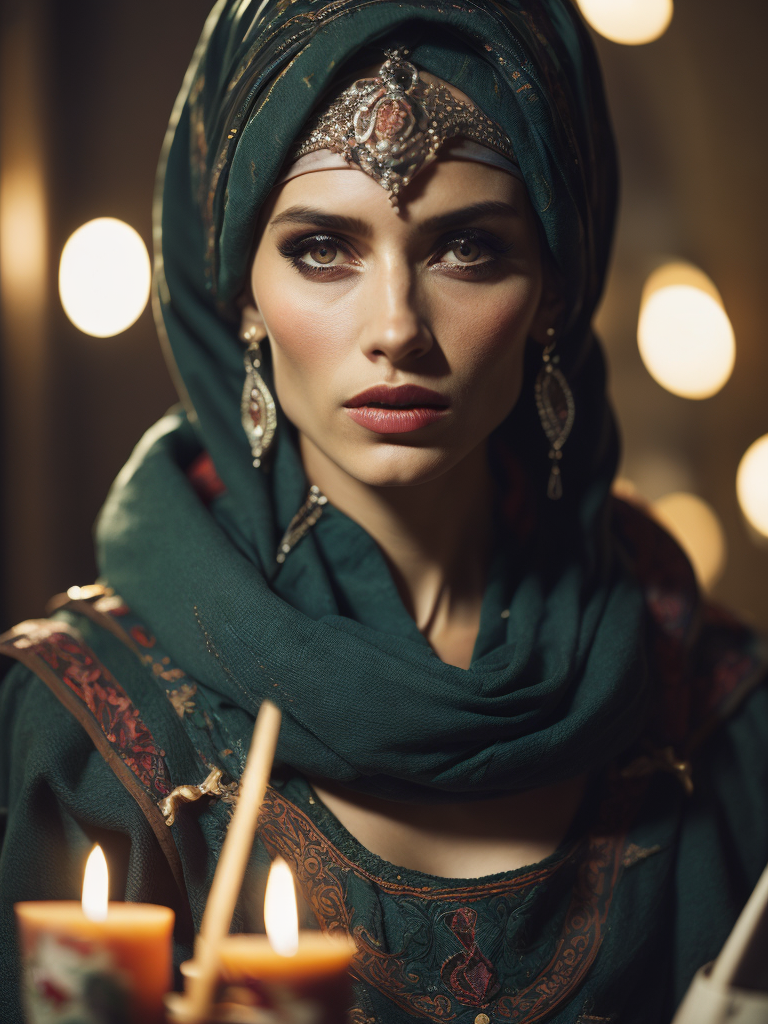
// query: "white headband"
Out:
[461,149]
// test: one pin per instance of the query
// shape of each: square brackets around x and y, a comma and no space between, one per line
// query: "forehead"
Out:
[446,184]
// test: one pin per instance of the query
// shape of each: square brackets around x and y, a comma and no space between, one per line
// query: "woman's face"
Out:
[397,339]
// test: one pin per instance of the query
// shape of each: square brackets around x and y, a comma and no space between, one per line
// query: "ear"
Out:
[252,327]
[548,314]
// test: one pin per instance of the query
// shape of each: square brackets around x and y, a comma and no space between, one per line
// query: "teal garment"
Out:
[568,685]
[564,692]
[610,925]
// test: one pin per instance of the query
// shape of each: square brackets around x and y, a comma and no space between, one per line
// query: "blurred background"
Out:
[86,89]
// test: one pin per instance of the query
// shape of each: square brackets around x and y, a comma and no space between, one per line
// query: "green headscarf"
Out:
[560,684]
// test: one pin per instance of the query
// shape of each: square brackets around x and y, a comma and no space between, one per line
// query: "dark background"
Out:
[86,89]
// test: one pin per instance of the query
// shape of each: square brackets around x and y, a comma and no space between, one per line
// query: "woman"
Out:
[520,762]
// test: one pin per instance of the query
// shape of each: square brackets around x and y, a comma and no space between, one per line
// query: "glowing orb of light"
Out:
[685,337]
[104,277]
[631,22]
[695,526]
[752,485]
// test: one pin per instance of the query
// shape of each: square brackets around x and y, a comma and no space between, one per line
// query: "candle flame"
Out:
[281,916]
[96,886]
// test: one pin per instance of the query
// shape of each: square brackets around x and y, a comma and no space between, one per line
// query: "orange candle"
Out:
[95,960]
[295,977]
[313,985]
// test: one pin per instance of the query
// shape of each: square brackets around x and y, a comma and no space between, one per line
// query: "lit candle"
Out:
[292,976]
[95,960]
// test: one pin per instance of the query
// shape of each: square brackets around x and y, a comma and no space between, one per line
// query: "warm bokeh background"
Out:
[86,87]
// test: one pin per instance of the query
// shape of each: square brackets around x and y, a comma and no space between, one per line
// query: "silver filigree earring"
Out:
[257,406]
[554,401]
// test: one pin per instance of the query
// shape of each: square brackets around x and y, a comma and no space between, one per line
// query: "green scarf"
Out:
[559,684]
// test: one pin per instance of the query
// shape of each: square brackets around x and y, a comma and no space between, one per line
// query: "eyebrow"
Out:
[328,221]
[477,211]
[356,226]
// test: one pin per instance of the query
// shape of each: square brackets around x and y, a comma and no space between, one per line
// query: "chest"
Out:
[469,839]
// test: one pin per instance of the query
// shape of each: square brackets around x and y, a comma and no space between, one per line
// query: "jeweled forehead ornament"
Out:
[393,125]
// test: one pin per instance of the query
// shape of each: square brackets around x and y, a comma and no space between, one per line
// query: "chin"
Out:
[390,465]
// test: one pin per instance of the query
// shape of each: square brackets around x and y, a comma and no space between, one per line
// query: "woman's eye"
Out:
[317,255]
[464,251]
[322,254]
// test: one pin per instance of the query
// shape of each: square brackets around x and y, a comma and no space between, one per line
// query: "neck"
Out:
[435,536]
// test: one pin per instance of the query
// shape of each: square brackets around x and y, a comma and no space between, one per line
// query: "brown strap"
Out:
[52,649]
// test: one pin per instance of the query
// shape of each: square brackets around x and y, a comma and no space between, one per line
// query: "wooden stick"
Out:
[233,859]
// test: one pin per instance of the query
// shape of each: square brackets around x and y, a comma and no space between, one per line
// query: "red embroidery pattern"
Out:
[81,671]
[469,977]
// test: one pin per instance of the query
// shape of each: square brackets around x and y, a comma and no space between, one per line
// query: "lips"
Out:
[396,410]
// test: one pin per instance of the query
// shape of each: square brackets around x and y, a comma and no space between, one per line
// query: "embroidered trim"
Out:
[57,654]
[214,748]
[60,647]
[321,869]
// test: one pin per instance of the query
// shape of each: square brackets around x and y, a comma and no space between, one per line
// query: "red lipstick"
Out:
[396,410]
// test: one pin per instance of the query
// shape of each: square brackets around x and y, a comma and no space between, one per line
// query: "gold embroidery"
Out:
[182,699]
[210,786]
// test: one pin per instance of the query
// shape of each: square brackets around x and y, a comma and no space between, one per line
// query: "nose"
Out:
[394,326]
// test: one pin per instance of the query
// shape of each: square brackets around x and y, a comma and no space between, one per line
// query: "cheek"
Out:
[486,332]
[308,343]
[298,334]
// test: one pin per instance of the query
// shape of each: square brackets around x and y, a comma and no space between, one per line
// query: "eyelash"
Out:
[294,249]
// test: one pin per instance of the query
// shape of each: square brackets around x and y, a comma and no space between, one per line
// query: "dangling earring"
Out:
[554,401]
[257,406]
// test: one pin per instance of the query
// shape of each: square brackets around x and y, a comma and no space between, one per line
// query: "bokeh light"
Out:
[104,277]
[752,485]
[631,22]
[23,233]
[685,337]
[695,526]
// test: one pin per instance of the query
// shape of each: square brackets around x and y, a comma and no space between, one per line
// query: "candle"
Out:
[94,961]
[311,987]
[287,975]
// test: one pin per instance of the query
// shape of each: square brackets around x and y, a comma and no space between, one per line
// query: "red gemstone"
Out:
[390,118]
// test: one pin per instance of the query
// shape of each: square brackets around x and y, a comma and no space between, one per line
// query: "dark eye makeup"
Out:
[473,252]
[466,253]
[315,255]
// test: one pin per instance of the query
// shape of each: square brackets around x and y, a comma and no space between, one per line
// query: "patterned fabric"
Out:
[445,949]
[55,652]
[190,702]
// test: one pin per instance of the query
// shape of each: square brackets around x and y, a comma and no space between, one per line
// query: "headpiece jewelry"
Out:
[392,125]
